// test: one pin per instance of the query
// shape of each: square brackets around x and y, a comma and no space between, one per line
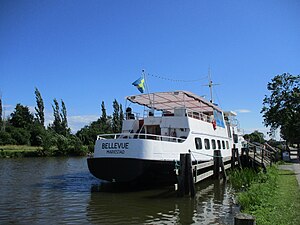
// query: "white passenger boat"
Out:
[149,146]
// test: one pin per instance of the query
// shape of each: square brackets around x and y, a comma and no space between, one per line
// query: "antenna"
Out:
[210,85]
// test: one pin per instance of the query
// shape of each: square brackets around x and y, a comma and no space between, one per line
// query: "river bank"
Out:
[19,151]
[275,200]
[16,151]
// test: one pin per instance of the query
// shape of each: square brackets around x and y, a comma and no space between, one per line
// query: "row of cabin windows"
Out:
[213,144]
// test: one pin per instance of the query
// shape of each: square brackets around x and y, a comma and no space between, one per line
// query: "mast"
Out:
[210,85]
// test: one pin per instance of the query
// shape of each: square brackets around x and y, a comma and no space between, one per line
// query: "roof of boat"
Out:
[168,101]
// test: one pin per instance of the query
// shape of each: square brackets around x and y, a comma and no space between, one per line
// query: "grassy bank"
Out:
[273,198]
[17,151]
[14,151]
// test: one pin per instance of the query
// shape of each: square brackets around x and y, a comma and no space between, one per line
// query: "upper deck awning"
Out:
[168,101]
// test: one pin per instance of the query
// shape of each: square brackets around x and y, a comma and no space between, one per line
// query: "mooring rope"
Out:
[206,154]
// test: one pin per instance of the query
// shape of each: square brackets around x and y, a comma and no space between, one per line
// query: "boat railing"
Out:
[140,136]
[200,116]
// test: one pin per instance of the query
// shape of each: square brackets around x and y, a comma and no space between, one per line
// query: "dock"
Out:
[191,171]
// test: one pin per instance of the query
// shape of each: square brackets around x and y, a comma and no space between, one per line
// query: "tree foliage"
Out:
[24,128]
[21,117]
[103,117]
[60,123]
[116,119]
[40,115]
[104,125]
[255,136]
[0,111]
[282,108]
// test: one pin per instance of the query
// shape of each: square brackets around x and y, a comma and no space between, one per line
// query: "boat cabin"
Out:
[169,116]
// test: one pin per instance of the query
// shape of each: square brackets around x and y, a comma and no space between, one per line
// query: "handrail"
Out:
[259,147]
[199,116]
[140,136]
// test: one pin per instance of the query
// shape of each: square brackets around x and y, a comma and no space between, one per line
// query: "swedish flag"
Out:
[140,84]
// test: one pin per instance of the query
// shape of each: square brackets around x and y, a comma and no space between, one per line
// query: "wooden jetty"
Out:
[191,172]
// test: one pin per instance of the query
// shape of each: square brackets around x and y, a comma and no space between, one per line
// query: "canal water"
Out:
[62,191]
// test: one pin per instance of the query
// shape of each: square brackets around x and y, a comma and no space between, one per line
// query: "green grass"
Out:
[13,151]
[18,148]
[273,198]
[283,206]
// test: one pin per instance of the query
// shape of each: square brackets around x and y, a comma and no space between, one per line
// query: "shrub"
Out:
[260,189]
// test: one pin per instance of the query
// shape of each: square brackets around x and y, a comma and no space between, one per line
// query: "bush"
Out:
[48,140]
[258,188]
[6,139]
[21,136]
[76,147]
[62,144]
[36,134]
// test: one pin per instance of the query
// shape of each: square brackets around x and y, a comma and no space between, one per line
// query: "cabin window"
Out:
[219,144]
[206,143]
[223,144]
[227,145]
[213,144]
[198,143]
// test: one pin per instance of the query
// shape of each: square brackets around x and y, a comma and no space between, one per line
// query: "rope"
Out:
[193,155]
[173,80]
[207,154]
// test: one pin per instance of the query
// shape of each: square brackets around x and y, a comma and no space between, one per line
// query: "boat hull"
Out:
[126,170]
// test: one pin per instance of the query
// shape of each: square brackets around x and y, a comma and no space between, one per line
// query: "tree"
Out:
[116,117]
[0,111]
[60,123]
[121,117]
[56,126]
[103,117]
[40,116]
[88,134]
[282,108]
[64,120]
[21,117]
[255,136]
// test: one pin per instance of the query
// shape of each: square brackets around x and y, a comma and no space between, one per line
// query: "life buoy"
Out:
[214,123]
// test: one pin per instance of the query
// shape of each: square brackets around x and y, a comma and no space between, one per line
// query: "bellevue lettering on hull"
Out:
[115,145]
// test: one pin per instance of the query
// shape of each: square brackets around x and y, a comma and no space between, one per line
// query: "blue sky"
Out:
[87,51]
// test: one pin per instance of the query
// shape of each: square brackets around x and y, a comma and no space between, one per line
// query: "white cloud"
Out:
[77,122]
[242,110]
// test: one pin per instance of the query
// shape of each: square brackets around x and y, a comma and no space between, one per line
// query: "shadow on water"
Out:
[74,182]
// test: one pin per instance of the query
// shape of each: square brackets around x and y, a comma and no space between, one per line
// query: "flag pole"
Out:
[147,89]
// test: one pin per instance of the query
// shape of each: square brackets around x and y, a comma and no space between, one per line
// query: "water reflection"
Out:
[62,191]
[213,204]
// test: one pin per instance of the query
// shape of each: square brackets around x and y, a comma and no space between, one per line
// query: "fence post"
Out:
[254,151]
[181,177]
[238,157]
[186,183]
[232,158]
[262,155]
[190,178]
[244,219]
[217,164]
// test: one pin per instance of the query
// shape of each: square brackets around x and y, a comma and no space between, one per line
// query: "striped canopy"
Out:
[168,101]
